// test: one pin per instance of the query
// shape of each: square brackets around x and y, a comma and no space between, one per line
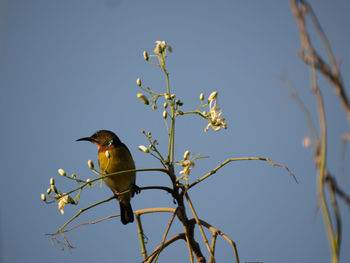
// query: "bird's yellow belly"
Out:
[120,160]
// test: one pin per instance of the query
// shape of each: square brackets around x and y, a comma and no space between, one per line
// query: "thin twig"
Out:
[165,234]
[241,159]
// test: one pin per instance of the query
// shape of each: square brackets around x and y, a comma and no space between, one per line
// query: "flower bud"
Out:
[108,155]
[143,98]
[138,82]
[165,105]
[88,181]
[165,114]
[169,48]
[172,96]
[167,97]
[145,55]
[186,154]
[91,164]
[43,197]
[52,181]
[143,148]
[48,191]
[154,106]
[180,112]
[201,96]
[74,176]
[212,96]
[62,172]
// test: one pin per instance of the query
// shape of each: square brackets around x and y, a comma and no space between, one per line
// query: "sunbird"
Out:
[117,159]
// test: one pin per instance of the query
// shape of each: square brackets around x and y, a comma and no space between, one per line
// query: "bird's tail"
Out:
[126,213]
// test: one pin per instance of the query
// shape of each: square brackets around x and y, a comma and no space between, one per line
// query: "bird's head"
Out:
[103,139]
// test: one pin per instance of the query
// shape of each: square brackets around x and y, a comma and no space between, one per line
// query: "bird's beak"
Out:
[89,139]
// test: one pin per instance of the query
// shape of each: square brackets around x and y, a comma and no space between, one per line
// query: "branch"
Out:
[241,159]
[161,247]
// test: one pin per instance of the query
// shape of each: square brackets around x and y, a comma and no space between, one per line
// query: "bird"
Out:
[117,159]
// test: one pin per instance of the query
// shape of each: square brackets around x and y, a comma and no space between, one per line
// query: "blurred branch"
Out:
[336,189]
[301,8]
[303,107]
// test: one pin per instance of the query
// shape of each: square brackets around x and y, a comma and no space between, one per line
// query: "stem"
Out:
[213,242]
[141,237]
[200,227]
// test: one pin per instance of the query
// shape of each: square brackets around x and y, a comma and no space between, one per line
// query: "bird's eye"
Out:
[110,142]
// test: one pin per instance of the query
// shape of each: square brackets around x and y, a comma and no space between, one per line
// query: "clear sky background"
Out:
[69,68]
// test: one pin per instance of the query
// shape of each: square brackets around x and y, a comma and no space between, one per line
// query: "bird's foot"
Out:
[135,189]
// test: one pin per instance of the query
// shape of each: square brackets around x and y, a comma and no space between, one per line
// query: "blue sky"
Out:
[69,68]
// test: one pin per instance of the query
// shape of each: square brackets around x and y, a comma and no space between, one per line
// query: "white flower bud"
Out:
[186,154]
[108,155]
[165,114]
[212,96]
[143,98]
[91,164]
[201,96]
[52,181]
[43,197]
[62,172]
[88,181]
[138,82]
[167,97]
[48,191]
[165,105]
[143,148]
[145,55]
[172,96]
